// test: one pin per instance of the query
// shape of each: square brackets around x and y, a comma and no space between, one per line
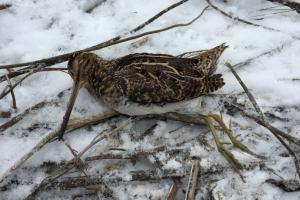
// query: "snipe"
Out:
[144,83]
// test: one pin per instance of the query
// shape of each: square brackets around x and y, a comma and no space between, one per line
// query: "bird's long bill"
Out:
[75,89]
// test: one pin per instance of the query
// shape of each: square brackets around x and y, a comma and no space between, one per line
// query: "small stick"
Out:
[116,40]
[140,175]
[32,71]
[73,124]
[64,57]
[191,188]
[262,119]
[5,6]
[172,192]
[77,162]
[157,16]
[4,114]
[20,116]
[133,155]
[271,128]
[266,53]
[65,168]
[12,93]
[250,96]
[4,93]
[245,21]
[293,5]
[237,18]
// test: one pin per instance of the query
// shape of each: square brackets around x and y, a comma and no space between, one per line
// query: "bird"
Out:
[148,83]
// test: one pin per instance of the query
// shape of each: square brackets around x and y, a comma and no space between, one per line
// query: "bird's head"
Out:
[80,66]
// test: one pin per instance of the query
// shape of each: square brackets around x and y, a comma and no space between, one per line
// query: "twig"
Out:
[73,124]
[250,96]
[20,116]
[4,93]
[266,53]
[81,181]
[286,185]
[191,188]
[4,114]
[293,5]
[93,7]
[245,21]
[157,16]
[271,128]
[116,40]
[133,155]
[262,119]
[237,18]
[31,71]
[12,93]
[172,192]
[67,167]
[77,162]
[5,6]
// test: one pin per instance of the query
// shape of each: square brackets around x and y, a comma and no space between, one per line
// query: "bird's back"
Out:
[161,78]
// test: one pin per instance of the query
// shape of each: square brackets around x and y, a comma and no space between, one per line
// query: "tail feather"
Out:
[213,83]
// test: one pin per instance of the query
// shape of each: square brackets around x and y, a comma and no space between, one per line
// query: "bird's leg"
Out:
[226,153]
[233,139]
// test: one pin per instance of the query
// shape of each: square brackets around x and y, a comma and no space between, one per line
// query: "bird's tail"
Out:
[213,83]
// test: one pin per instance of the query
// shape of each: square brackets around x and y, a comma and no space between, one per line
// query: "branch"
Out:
[245,21]
[68,166]
[5,6]
[82,181]
[152,19]
[172,192]
[250,96]
[20,116]
[264,122]
[116,40]
[73,124]
[133,155]
[191,188]
[293,5]
[12,92]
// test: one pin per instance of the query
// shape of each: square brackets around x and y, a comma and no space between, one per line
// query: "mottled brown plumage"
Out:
[144,78]
[149,78]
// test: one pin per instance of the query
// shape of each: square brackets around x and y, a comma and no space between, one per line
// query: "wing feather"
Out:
[165,80]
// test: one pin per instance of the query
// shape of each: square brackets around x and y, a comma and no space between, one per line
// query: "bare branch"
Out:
[67,167]
[133,155]
[191,188]
[73,124]
[116,40]
[20,116]
[4,114]
[172,192]
[5,6]
[250,96]
[81,181]
[12,92]
[293,5]
[262,120]
[245,21]
[152,19]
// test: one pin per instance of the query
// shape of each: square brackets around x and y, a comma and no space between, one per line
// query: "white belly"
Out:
[184,107]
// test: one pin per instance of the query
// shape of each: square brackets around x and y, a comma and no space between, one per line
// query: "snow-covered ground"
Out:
[31,30]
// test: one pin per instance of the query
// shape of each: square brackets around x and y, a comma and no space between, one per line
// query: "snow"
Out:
[33,30]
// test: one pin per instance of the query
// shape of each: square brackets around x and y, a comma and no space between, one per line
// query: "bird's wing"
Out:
[163,79]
